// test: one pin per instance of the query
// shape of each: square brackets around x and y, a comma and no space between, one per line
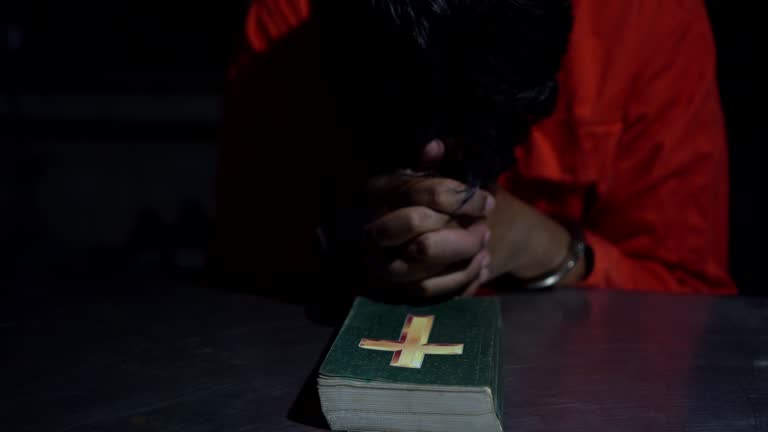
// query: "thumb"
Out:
[432,154]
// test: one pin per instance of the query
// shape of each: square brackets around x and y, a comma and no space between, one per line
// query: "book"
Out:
[415,368]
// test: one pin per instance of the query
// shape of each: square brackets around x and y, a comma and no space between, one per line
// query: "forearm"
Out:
[539,244]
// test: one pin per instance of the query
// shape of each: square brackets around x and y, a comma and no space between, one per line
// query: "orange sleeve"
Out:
[270,20]
[662,220]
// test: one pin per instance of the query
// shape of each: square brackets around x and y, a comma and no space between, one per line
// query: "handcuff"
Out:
[578,251]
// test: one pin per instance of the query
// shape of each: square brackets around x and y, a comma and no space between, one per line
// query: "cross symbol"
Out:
[410,350]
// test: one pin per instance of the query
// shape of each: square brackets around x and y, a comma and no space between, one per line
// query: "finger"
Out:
[393,185]
[447,246]
[409,188]
[402,271]
[454,281]
[432,253]
[404,224]
[475,286]
[449,196]
[432,154]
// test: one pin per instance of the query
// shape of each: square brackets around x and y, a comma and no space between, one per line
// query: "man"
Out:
[623,185]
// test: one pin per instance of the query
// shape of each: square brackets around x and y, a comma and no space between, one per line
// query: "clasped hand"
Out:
[430,234]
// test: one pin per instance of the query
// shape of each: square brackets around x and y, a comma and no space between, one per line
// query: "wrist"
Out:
[524,242]
[546,251]
[532,248]
[574,267]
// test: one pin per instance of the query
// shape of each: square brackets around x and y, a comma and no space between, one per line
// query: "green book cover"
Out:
[455,343]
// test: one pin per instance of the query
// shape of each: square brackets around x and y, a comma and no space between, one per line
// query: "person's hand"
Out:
[525,243]
[430,235]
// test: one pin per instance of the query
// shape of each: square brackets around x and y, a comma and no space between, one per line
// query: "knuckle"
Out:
[397,269]
[432,196]
[472,202]
[439,194]
[444,198]
[418,218]
[426,288]
[476,204]
[447,194]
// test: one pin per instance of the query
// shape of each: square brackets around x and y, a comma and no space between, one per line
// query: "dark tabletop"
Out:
[162,356]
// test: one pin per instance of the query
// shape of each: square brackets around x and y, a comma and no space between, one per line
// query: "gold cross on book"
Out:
[409,351]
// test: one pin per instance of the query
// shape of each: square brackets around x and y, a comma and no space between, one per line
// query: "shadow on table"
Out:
[306,409]
[322,304]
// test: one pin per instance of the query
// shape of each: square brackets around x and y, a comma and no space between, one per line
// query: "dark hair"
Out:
[474,73]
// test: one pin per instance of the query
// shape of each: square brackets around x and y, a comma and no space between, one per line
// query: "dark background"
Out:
[110,114]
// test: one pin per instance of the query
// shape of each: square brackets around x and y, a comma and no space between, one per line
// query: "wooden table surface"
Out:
[161,356]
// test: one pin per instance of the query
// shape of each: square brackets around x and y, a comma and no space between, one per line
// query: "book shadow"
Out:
[306,408]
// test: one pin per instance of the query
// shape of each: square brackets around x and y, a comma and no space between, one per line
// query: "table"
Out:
[164,356]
